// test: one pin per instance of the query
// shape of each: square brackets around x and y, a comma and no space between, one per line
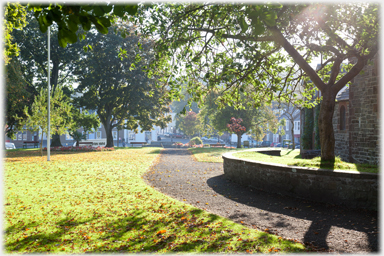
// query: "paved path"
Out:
[326,227]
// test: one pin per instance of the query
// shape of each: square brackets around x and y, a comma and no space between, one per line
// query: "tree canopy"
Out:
[60,113]
[69,18]
[123,97]
[266,47]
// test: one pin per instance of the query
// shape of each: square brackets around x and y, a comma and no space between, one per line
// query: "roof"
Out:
[343,94]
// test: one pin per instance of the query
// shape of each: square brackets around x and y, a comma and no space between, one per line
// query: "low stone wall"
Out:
[352,189]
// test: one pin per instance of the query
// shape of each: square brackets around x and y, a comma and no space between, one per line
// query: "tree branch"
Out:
[298,58]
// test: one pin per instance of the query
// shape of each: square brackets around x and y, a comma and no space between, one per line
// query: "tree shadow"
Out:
[322,216]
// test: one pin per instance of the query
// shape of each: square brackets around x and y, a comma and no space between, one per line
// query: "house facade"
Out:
[119,136]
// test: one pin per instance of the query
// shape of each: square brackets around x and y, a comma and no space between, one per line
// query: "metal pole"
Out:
[49,99]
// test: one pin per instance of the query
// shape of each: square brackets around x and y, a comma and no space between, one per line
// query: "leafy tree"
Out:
[82,119]
[118,93]
[235,127]
[236,46]
[189,123]
[33,54]
[14,18]
[60,113]
[18,95]
[69,18]
[78,136]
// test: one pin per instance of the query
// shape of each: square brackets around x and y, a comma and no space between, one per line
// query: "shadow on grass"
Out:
[20,153]
[133,233]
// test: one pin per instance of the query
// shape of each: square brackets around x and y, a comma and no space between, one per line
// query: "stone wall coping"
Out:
[299,169]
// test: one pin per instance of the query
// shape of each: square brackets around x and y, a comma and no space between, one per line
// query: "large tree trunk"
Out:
[41,144]
[56,140]
[293,133]
[108,131]
[327,136]
[239,140]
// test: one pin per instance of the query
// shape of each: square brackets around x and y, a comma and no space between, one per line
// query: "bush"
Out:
[195,141]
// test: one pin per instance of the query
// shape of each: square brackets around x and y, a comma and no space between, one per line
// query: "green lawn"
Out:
[293,158]
[98,202]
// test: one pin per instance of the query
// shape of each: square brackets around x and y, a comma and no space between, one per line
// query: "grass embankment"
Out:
[98,202]
[293,158]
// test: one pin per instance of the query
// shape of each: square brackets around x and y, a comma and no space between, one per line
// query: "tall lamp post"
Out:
[49,99]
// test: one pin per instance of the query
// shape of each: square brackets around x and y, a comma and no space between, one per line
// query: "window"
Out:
[131,136]
[286,125]
[148,136]
[19,136]
[68,137]
[24,136]
[297,125]
[342,118]
[114,134]
[98,135]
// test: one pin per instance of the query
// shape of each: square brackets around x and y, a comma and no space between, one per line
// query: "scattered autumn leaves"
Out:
[97,202]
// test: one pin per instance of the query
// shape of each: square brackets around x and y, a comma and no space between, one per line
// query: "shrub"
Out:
[195,141]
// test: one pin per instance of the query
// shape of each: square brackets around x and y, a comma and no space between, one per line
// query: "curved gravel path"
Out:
[323,227]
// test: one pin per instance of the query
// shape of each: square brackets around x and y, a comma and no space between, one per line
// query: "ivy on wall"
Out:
[306,137]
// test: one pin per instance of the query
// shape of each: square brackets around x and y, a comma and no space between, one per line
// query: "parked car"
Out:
[178,135]
[166,134]
[265,143]
[297,146]
[9,145]
[277,145]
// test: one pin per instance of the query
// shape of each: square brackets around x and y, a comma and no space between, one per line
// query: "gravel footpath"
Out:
[323,227]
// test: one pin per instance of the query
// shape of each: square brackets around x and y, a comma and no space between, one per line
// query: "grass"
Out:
[98,202]
[212,155]
[293,158]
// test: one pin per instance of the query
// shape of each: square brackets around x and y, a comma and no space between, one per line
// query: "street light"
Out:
[49,99]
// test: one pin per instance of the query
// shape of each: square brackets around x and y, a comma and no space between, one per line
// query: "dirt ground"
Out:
[325,228]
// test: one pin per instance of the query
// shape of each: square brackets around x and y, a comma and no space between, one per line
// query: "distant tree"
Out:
[33,54]
[189,123]
[60,113]
[182,106]
[235,127]
[82,119]
[78,136]
[18,95]
[121,93]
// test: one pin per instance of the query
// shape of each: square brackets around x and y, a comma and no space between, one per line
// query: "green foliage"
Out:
[78,136]
[306,137]
[18,95]
[69,18]
[33,55]
[82,119]
[195,141]
[14,18]
[234,49]
[189,124]
[60,113]
[123,97]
